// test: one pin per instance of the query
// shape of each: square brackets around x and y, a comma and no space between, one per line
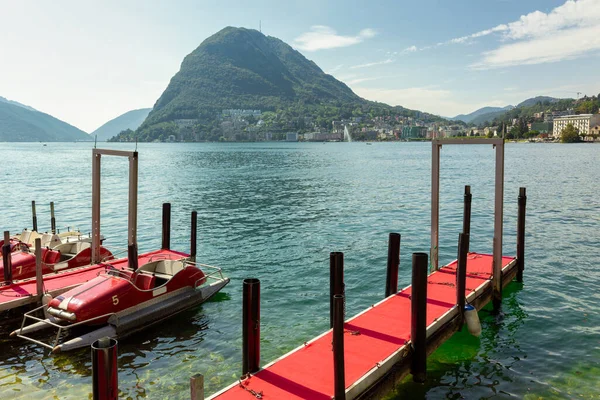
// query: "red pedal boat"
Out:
[121,301]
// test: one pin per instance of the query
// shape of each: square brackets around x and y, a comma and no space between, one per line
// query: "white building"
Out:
[582,122]
[291,137]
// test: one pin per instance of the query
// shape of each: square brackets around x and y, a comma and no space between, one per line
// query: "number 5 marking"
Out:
[115,300]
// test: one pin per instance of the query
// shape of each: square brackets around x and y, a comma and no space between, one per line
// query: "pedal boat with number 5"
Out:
[122,301]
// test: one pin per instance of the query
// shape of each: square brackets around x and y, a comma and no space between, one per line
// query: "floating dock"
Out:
[21,293]
[376,341]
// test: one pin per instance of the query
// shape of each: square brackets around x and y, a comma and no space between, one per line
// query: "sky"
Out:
[87,62]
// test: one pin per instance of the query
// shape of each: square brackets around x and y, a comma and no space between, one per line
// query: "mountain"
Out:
[539,99]
[20,123]
[16,103]
[130,120]
[485,110]
[243,69]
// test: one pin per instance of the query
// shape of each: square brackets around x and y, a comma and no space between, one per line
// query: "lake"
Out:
[274,211]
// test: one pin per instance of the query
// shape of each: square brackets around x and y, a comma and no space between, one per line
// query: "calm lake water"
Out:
[275,210]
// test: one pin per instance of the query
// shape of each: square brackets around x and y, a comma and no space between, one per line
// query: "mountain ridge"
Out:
[19,123]
[129,120]
[239,68]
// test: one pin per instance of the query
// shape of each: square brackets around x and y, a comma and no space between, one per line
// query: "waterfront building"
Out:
[583,123]
[291,137]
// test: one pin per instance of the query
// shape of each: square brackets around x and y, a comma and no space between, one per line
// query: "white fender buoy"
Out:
[46,299]
[472,319]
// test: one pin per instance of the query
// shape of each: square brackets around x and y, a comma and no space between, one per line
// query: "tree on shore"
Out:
[569,134]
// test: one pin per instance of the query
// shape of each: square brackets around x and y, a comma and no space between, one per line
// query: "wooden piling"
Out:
[132,256]
[166,226]
[194,236]
[393,262]
[197,387]
[7,258]
[39,280]
[522,200]
[461,274]
[34,215]
[418,320]
[52,219]
[467,211]
[338,347]
[496,283]
[336,279]
[251,326]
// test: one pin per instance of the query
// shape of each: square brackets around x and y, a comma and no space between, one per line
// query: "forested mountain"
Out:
[240,68]
[130,120]
[19,123]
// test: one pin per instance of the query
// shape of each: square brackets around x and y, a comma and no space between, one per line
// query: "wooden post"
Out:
[194,236]
[197,387]
[39,280]
[521,233]
[250,326]
[338,347]
[418,319]
[52,219]
[96,164]
[34,216]
[336,279]
[435,202]
[498,225]
[393,262]
[461,274]
[467,211]
[7,258]
[166,226]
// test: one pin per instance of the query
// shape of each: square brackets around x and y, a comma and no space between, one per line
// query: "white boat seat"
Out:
[25,236]
[72,248]
[163,268]
[50,240]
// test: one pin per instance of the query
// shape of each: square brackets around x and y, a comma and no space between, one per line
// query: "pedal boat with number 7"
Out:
[122,301]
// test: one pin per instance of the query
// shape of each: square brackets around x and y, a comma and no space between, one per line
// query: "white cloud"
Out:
[335,69]
[323,37]
[372,64]
[568,31]
[359,80]
[410,49]
[558,46]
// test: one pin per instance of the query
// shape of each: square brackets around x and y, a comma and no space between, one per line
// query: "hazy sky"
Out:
[87,62]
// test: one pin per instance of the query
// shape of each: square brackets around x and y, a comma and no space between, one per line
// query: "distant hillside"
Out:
[16,103]
[130,120]
[21,124]
[240,68]
[524,109]
[482,111]
[539,99]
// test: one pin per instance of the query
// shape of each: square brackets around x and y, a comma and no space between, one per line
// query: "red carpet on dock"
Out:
[16,293]
[370,337]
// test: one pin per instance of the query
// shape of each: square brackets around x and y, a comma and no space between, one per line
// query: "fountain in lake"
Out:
[347,136]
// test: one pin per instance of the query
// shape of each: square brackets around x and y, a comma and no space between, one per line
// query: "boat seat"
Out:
[25,236]
[50,240]
[144,281]
[50,256]
[168,267]
[72,248]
